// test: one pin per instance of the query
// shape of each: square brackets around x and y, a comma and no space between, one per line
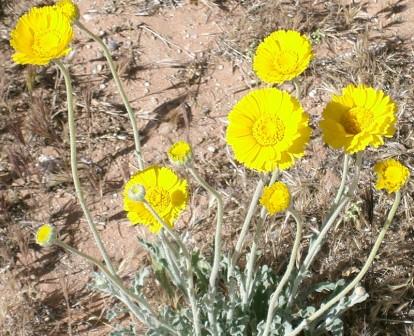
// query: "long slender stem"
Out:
[252,256]
[118,284]
[191,290]
[275,296]
[325,307]
[245,227]
[329,221]
[121,91]
[250,263]
[75,176]
[217,245]
[74,166]
[219,224]
[171,259]
[343,179]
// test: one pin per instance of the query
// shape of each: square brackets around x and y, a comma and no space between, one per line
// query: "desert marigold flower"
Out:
[275,198]
[359,117]
[282,56]
[164,191]
[391,175]
[68,8]
[267,130]
[45,235]
[40,36]
[180,152]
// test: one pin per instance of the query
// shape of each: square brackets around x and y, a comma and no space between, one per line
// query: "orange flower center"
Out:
[159,199]
[356,119]
[46,43]
[286,62]
[268,130]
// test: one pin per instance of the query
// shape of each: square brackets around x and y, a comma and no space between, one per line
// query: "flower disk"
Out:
[267,130]
[45,235]
[40,36]
[391,175]
[275,198]
[360,117]
[68,8]
[179,153]
[282,56]
[164,191]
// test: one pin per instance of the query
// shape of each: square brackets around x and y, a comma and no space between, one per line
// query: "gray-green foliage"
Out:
[246,319]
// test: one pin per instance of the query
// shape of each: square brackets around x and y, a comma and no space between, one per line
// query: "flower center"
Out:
[46,43]
[159,198]
[286,62]
[356,119]
[268,130]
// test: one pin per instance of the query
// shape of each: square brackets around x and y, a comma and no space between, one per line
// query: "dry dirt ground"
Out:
[184,65]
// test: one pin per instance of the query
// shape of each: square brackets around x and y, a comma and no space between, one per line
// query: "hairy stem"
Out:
[275,296]
[121,91]
[190,281]
[325,307]
[126,292]
[75,176]
[217,243]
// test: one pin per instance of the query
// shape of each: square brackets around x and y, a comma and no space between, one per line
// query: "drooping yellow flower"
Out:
[164,191]
[267,130]
[275,198]
[69,9]
[45,235]
[282,56]
[180,152]
[359,117]
[40,36]
[391,175]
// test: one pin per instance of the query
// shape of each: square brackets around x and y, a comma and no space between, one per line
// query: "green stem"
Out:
[217,246]
[191,290]
[121,91]
[124,291]
[343,179]
[245,227]
[75,176]
[334,212]
[325,307]
[275,296]
[252,255]
[171,260]
[74,166]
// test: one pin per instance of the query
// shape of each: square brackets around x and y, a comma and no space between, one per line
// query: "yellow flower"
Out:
[68,8]
[282,56]
[45,235]
[179,153]
[359,117]
[391,175]
[40,36]
[164,191]
[275,198]
[267,130]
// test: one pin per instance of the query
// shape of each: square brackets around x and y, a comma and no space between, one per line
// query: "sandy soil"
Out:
[182,75]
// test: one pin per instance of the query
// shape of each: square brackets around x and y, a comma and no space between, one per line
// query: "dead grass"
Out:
[350,47]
